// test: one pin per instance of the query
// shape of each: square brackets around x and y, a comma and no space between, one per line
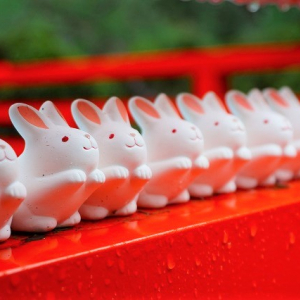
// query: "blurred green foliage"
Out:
[39,29]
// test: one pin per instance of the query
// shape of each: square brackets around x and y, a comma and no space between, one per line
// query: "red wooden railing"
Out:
[207,69]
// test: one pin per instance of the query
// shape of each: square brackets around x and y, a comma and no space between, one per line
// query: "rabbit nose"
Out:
[235,120]
[132,134]
[194,128]
[2,146]
[87,136]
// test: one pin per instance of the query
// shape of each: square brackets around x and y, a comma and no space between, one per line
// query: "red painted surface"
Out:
[238,246]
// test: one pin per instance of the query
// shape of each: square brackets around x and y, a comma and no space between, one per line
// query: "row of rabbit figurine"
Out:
[108,168]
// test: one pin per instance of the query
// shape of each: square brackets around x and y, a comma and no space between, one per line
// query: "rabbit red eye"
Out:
[65,139]
[174,131]
[111,136]
[266,121]
[216,123]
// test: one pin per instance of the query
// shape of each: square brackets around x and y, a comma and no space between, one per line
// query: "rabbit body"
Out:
[174,151]
[286,103]
[123,157]
[58,168]
[12,191]
[269,138]
[224,143]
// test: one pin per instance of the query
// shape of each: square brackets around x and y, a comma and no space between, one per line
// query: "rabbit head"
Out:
[8,163]
[263,125]
[219,128]
[119,143]
[166,133]
[285,102]
[52,146]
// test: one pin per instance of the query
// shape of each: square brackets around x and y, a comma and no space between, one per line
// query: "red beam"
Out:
[152,65]
[237,246]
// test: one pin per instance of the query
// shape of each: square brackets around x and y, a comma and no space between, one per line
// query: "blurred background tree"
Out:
[33,30]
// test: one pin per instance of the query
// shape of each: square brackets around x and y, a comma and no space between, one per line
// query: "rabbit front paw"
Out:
[225,153]
[202,162]
[97,176]
[275,150]
[16,190]
[244,153]
[120,172]
[77,176]
[143,172]
[183,163]
[290,151]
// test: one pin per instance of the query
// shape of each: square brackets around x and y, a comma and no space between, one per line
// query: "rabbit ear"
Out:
[190,106]
[116,110]
[87,115]
[212,102]
[28,120]
[51,111]
[238,103]
[143,111]
[256,98]
[166,106]
[276,100]
[289,96]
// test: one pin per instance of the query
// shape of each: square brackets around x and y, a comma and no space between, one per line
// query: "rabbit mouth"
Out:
[237,129]
[286,128]
[92,147]
[135,144]
[5,157]
[196,138]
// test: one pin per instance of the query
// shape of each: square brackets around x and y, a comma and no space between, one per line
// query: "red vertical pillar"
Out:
[205,80]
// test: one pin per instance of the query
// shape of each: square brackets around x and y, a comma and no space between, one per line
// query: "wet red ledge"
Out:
[235,246]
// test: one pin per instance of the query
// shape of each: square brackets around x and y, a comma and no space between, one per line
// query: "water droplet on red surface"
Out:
[197,261]
[89,262]
[253,230]
[190,238]
[62,274]
[107,281]
[79,286]
[110,262]
[121,265]
[196,293]
[225,237]
[292,238]
[170,261]
[15,280]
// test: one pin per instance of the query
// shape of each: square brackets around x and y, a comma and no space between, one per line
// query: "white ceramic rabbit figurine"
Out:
[174,151]
[269,138]
[12,192]
[123,157]
[224,143]
[286,102]
[58,168]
